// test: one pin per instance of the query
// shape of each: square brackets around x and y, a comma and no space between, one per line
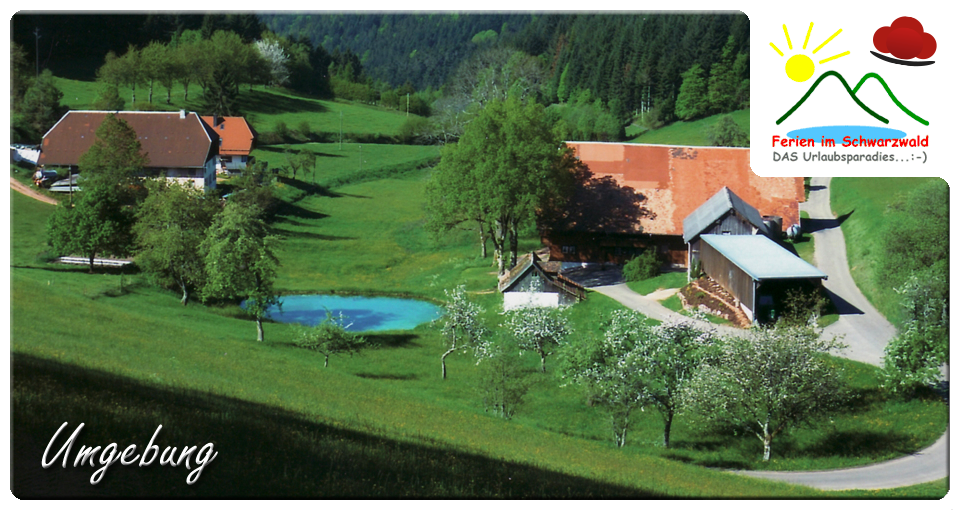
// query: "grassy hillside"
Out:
[866,200]
[262,107]
[688,133]
[75,330]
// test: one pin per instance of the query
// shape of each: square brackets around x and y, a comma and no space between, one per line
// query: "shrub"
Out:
[642,267]
[304,129]
[503,385]
[281,129]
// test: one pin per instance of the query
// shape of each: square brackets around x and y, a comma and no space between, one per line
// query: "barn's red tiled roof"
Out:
[677,180]
[168,140]
[235,134]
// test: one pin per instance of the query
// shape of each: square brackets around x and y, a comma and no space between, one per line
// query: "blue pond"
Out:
[361,313]
[836,133]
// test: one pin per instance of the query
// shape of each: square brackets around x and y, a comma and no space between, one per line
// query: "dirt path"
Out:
[19,186]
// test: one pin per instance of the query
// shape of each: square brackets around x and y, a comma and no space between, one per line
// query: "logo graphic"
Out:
[905,40]
[800,67]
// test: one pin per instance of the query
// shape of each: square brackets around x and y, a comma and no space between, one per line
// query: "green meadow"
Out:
[692,132]
[82,327]
[114,351]
[262,107]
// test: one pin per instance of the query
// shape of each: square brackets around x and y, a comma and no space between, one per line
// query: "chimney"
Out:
[183,114]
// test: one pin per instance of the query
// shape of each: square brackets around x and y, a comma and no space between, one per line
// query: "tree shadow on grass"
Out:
[291,234]
[858,444]
[288,209]
[280,149]
[262,102]
[387,377]
[392,340]
[263,451]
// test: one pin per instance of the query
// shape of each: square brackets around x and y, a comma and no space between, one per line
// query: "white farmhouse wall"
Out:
[518,300]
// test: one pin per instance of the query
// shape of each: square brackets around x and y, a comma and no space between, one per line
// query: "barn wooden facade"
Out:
[756,271]
[724,213]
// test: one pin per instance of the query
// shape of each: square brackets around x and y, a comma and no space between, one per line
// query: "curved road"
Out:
[865,332]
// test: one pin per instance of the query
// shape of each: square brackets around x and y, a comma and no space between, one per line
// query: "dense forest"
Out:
[636,59]
[596,73]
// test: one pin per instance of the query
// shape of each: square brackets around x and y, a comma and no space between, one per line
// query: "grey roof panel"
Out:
[715,207]
[762,258]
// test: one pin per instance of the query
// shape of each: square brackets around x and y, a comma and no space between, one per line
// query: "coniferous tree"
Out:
[692,101]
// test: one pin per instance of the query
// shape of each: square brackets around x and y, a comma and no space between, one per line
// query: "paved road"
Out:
[861,326]
[651,308]
[17,185]
[921,467]
[865,332]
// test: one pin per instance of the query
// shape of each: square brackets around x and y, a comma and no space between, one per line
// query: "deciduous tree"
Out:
[330,337]
[462,330]
[240,260]
[170,228]
[539,330]
[767,381]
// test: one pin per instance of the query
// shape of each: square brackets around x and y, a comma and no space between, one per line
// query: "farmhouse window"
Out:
[568,250]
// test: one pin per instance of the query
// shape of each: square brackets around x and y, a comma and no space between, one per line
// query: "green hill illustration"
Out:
[853,95]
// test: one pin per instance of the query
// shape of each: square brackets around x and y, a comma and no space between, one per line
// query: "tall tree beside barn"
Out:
[514,165]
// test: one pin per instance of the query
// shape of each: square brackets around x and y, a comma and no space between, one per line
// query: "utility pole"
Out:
[36,33]
[341,130]
[408,104]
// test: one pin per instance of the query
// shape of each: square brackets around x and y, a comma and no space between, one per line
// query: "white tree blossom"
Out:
[537,330]
[273,53]
[635,365]
[462,329]
[767,381]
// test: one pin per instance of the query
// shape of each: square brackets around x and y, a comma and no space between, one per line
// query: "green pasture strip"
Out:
[672,280]
[263,107]
[866,200]
[690,132]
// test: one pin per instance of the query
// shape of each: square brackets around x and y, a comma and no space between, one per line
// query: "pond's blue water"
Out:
[361,313]
[836,133]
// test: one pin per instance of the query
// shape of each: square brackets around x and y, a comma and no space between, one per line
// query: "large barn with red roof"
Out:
[639,195]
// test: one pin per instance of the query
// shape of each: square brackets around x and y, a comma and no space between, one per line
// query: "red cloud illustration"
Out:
[905,39]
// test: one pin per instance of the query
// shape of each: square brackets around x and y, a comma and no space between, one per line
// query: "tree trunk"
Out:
[326,360]
[543,362]
[92,256]
[667,422]
[168,95]
[767,439]
[499,238]
[443,362]
[512,234]
[186,295]
[150,95]
[483,240]
[259,328]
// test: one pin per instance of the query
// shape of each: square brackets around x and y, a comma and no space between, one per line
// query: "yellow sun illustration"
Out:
[800,67]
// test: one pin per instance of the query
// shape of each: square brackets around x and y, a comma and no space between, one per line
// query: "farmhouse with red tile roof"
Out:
[236,141]
[639,196]
[178,145]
